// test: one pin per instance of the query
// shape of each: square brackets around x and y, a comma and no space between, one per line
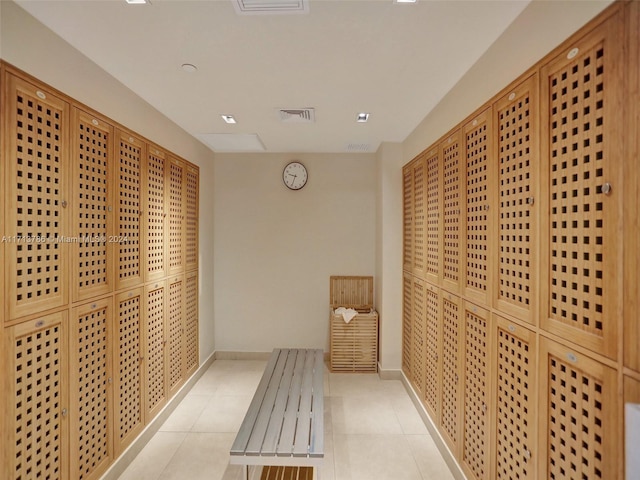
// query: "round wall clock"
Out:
[295,175]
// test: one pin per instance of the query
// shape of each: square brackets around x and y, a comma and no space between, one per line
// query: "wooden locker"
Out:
[91,390]
[36,158]
[478,156]
[92,252]
[407,324]
[407,217]
[578,414]
[516,137]
[154,213]
[452,204]
[191,190]
[433,355]
[582,98]
[174,206]
[36,378]
[155,365]
[419,205]
[418,335]
[631,396]
[515,426]
[191,344]
[476,446]
[433,165]
[175,334]
[131,152]
[451,420]
[128,368]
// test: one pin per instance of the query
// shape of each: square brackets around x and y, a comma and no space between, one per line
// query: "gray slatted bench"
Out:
[284,425]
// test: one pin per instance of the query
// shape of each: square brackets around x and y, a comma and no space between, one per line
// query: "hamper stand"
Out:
[353,345]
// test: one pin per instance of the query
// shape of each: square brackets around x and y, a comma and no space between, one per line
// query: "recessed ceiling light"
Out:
[189,68]
[229,118]
[362,117]
[137,2]
[405,1]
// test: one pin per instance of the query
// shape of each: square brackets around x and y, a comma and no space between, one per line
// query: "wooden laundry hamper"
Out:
[354,345]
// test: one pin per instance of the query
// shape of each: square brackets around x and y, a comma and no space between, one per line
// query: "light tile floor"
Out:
[372,430]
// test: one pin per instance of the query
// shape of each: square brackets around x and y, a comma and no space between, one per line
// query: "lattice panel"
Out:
[191,322]
[128,239]
[515,405]
[407,206]
[176,217]
[516,199]
[477,141]
[452,170]
[576,432]
[92,184]
[578,215]
[175,333]
[419,218]
[37,125]
[407,321]
[419,334]
[91,374]
[191,218]
[156,392]
[155,213]
[432,380]
[434,192]
[37,386]
[451,325]
[129,394]
[475,445]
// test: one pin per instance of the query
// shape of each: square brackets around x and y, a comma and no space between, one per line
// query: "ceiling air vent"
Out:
[358,147]
[262,7]
[297,115]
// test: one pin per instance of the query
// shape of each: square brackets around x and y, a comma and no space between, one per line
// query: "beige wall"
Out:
[275,249]
[28,45]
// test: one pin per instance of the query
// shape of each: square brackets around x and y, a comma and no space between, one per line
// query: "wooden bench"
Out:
[284,425]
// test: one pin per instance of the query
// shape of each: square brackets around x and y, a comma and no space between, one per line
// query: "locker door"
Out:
[175,209]
[155,213]
[37,382]
[155,372]
[191,345]
[175,334]
[36,159]
[131,151]
[128,362]
[191,217]
[418,335]
[451,377]
[433,355]
[407,219]
[92,200]
[419,205]
[407,324]
[433,166]
[91,395]
[452,174]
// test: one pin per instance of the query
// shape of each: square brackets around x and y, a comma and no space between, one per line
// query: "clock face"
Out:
[295,175]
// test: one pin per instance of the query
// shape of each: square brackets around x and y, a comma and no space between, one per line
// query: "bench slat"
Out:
[242,439]
[301,445]
[316,442]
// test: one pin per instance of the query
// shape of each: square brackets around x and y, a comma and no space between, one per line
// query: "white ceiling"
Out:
[395,61]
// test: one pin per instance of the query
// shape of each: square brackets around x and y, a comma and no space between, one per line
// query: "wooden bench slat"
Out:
[316,442]
[285,446]
[254,447]
[242,438]
[301,445]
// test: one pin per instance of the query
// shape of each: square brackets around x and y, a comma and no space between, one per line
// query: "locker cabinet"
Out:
[407,217]
[451,377]
[191,344]
[407,324]
[434,238]
[433,347]
[453,202]
[174,205]
[418,335]
[175,334]
[190,200]
[155,372]
[155,213]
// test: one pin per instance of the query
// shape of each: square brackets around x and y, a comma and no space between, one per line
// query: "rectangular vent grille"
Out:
[261,7]
[297,115]
[358,147]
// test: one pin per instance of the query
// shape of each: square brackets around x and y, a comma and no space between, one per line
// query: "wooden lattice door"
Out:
[407,323]
[191,191]
[515,117]
[477,392]
[581,91]
[154,214]
[419,218]
[433,356]
[37,411]
[128,361]
[93,204]
[155,340]
[191,344]
[131,152]
[175,185]
[515,421]
[175,334]
[433,166]
[579,415]
[91,400]
[407,217]
[451,377]
[452,218]
[478,161]
[418,334]
[36,158]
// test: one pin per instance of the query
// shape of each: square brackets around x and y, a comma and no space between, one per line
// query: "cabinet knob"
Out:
[63,204]
[527,455]
[64,412]
[530,201]
[606,188]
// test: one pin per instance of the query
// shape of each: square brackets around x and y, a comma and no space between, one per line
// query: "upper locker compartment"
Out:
[35,130]
[582,158]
